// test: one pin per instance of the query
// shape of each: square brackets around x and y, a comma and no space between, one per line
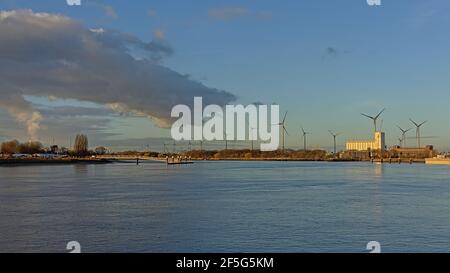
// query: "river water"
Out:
[225,207]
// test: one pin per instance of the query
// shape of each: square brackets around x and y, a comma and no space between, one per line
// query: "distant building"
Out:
[378,144]
[418,153]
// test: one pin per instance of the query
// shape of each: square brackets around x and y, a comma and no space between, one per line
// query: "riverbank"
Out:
[112,159]
[385,161]
[52,161]
[275,159]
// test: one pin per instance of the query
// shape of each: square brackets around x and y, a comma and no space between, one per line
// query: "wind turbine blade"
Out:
[415,123]
[284,128]
[380,113]
[423,123]
[284,119]
[367,116]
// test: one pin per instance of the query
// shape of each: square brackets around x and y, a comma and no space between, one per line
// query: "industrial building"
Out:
[418,153]
[378,144]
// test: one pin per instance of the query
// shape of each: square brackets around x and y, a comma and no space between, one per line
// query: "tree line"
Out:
[80,148]
[15,147]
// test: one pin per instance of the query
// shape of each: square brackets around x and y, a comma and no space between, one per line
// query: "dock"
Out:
[178,161]
[398,160]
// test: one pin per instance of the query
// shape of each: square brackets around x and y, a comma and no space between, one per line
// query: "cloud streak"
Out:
[230,13]
[227,13]
[47,55]
[333,52]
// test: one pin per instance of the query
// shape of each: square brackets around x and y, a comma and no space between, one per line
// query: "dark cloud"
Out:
[73,111]
[48,55]
[333,52]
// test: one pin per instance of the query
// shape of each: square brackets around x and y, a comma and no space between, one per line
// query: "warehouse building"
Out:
[379,143]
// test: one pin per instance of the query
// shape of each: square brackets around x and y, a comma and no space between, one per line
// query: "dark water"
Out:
[225,207]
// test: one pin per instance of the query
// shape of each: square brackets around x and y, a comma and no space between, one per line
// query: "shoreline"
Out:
[110,160]
[384,161]
[32,161]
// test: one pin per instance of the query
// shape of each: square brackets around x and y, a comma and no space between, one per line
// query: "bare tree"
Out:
[100,150]
[31,147]
[13,147]
[81,145]
[10,147]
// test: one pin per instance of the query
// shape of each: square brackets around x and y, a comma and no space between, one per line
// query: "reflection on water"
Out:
[368,171]
[378,170]
[81,170]
[225,207]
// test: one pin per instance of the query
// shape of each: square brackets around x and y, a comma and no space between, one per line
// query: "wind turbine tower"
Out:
[403,139]
[304,133]
[283,129]
[334,138]
[418,126]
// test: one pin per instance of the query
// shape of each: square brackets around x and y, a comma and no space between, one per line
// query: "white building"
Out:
[378,143]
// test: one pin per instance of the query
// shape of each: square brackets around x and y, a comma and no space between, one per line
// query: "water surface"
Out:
[225,207]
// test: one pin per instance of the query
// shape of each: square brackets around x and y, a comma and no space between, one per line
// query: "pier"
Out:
[178,160]
[398,160]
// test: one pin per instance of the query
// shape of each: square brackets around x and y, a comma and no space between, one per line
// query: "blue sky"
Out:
[323,61]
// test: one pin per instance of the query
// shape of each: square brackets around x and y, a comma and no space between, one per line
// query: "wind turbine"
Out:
[304,137]
[334,138]
[252,135]
[403,135]
[375,118]
[400,141]
[418,130]
[283,129]
[225,135]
